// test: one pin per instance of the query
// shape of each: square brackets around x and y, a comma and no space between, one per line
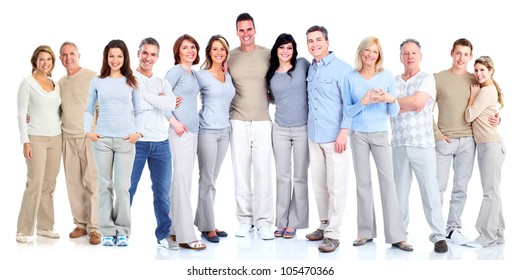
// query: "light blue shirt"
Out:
[216,97]
[326,82]
[373,117]
[120,110]
[185,84]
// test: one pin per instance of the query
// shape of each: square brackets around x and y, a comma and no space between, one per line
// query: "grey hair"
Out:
[409,40]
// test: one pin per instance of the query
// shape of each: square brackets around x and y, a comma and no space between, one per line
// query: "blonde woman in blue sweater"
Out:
[371,99]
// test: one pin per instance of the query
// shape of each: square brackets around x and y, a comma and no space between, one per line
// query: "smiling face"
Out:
[218,52]
[44,63]
[285,52]
[369,56]
[187,52]
[148,55]
[115,59]
[482,74]
[461,56]
[317,45]
[69,57]
[246,33]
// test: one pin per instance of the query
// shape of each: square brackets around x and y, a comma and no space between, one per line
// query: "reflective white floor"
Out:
[78,259]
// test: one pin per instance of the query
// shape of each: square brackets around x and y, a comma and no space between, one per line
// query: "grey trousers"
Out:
[462,152]
[114,161]
[422,162]
[292,197]
[211,150]
[377,143]
[490,222]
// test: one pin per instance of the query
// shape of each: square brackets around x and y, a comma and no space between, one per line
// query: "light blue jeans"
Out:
[114,160]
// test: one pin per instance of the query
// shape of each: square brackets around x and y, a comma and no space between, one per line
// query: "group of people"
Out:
[107,127]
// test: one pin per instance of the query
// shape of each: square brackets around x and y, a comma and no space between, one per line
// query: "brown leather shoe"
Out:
[94,238]
[78,232]
[315,235]
[440,246]
[328,245]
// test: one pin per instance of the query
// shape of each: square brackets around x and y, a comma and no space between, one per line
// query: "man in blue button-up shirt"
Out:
[328,127]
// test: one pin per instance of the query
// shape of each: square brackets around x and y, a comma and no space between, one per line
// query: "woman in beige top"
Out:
[491,152]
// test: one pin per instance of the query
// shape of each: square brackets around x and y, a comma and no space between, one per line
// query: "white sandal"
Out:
[194,245]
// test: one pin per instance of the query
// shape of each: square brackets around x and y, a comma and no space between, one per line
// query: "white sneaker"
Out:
[168,243]
[265,233]
[21,238]
[474,244]
[50,233]
[243,230]
[108,240]
[456,237]
[122,240]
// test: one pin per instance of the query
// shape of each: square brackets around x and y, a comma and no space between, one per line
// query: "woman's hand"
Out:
[27,151]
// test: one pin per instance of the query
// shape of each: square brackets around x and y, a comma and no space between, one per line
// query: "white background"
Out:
[92,24]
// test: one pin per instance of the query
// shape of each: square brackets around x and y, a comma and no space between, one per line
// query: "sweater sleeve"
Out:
[22,106]
[482,101]
[164,102]
[90,109]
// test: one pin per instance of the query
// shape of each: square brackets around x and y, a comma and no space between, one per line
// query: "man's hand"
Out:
[341,141]
[178,101]
[494,121]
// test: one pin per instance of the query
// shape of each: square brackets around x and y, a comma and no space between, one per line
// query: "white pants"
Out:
[251,152]
[329,171]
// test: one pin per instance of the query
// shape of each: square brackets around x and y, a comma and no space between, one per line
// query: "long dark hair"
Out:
[274,62]
[126,70]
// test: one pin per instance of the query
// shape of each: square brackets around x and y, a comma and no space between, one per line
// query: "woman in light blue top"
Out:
[286,79]
[39,98]
[217,92]
[183,140]
[119,126]
[371,102]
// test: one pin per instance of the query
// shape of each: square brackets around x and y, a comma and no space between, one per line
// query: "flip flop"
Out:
[279,232]
[289,234]
[194,245]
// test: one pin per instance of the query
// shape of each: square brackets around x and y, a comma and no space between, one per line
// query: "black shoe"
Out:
[221,233]
[213,239]
[440,246]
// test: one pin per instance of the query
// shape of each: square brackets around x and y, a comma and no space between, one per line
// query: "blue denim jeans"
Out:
[159,160]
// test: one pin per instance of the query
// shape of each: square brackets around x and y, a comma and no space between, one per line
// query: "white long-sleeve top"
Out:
[43,108]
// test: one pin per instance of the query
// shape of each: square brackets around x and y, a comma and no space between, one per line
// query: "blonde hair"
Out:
[36,53]
[490,65]
[371,40]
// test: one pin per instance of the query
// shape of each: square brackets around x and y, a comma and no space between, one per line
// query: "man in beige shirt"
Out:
[453,135]
[78,160]
[251,147]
